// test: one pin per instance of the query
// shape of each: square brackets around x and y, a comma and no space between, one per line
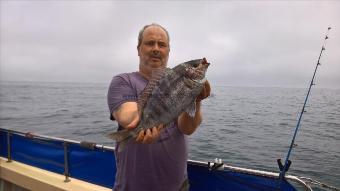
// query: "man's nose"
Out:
[155,47]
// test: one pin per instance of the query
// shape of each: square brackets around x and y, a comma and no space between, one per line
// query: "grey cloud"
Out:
[249,43]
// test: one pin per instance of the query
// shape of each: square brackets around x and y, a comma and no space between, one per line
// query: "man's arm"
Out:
[127,115]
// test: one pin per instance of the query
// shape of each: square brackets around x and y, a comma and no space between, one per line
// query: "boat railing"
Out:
[67,145]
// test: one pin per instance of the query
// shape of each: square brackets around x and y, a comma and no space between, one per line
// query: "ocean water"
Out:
[248,127]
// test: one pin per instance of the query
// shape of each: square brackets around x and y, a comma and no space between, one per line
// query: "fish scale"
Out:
[169,93]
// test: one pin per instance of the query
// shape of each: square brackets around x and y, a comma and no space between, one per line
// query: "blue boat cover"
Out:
[98,165]
[92,165]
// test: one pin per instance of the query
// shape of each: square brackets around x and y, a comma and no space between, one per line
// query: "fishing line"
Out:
[284,168]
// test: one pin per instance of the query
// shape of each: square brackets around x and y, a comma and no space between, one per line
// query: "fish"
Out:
[168,93]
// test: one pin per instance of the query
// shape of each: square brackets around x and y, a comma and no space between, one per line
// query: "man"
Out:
[157,160]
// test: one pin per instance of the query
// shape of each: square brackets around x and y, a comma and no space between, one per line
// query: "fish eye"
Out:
[195,65]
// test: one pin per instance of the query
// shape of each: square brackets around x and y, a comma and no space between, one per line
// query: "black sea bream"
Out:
[168,93]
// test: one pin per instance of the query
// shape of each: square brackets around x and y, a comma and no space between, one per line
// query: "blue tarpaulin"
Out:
[219,180]
[97,165]
[92,165]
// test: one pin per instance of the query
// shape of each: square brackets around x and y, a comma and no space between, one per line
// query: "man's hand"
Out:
[150,135]
[205,92]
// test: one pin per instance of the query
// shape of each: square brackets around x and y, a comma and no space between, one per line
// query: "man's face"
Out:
[154,49]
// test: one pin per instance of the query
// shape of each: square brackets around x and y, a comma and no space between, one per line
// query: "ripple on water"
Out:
[247,127]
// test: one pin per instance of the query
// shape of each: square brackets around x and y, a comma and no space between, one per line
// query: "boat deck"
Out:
[28,177]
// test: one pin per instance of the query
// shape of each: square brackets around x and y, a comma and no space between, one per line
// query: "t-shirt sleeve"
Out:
[120,91]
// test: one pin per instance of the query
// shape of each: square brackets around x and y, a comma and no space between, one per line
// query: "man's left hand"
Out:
[205,92]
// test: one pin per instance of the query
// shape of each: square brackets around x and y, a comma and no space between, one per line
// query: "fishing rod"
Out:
[284,168]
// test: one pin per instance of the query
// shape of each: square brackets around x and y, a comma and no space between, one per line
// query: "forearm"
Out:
[187,124]
[127,115]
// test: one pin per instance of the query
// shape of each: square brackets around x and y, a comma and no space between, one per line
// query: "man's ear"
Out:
[138,51]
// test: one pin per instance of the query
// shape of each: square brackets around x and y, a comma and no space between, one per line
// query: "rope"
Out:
[319,184]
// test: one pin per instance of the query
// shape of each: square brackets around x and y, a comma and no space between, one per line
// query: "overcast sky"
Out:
[249,43]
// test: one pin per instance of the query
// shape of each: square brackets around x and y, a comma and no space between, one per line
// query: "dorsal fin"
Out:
[157,74]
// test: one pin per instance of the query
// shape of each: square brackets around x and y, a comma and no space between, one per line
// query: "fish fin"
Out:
[121,135]
[191,110]
[123,144]
[166,125]
[156,75]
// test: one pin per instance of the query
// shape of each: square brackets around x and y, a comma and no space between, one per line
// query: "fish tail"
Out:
[121,135]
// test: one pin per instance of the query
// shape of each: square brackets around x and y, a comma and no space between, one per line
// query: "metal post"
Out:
[66,169]
[9,156]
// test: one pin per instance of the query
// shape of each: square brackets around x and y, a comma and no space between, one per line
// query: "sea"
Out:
[248,127]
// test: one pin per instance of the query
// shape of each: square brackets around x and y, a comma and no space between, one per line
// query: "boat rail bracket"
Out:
[281,166]
[29,135]
[217,165]
[66,166]
[88,145]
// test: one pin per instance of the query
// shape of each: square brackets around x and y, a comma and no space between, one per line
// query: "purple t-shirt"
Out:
[160,166]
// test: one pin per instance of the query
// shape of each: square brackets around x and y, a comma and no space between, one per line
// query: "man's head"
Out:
[153,47]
